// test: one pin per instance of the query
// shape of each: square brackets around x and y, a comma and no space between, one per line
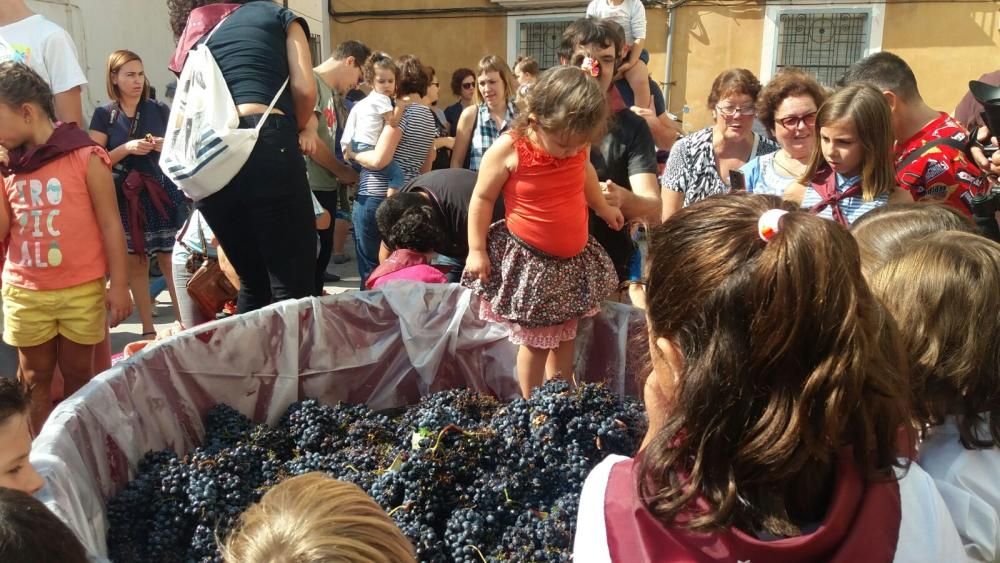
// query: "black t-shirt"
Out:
[249,48]
[628,149]
[450,192]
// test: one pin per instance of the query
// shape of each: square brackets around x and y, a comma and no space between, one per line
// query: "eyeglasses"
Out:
[727,111]
[468,85]
[792,122]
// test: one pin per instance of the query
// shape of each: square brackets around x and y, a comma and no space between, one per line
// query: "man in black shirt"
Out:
[448,192]
[626,158]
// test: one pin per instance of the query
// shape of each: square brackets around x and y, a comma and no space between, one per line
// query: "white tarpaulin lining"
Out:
[384,348]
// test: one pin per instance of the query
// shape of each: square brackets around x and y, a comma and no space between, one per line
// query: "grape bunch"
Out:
[466,478]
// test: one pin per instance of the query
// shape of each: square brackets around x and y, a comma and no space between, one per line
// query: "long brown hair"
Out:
[885,231]
[944,291]
[865,107]
[116,61]
[787,359]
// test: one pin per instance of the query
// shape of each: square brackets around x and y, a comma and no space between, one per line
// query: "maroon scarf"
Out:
[65,138]
[861,524]
[825,184]
[135,183]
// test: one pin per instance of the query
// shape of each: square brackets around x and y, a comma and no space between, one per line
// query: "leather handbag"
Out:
[209,287]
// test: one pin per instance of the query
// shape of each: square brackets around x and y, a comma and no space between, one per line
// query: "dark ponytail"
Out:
[787,358]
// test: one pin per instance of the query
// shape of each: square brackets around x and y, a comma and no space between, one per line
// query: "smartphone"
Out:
[737,181]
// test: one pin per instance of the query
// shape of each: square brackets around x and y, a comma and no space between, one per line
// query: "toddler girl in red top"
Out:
[61,217]
[539,271]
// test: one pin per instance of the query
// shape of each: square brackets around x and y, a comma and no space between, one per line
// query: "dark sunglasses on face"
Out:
[468,85]
[792,122]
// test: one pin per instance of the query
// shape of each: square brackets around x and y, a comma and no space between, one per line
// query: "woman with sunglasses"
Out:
[787,106]
[699,165]
[463,85]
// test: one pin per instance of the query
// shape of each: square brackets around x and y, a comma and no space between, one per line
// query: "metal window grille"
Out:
[540,39]
[315,44]
[823,43]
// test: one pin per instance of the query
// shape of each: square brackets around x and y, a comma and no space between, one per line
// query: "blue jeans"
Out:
[392,172]
[366,237]
[457,266]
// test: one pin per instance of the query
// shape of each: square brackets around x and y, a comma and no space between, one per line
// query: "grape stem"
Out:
[402,506]
[445,430]
[479,553]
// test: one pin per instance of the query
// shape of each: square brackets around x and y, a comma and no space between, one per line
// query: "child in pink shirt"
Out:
[61,216]
[412,240]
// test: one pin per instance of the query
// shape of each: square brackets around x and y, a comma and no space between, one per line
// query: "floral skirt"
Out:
[539,296]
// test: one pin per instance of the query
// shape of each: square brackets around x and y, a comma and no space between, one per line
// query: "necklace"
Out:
[788,171]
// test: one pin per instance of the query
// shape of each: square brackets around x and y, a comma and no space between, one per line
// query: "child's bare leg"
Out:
[138,282]
[638,79]
[75,363]
[36,365]
[530,368]
[560,362]
[165,260]
[341,230]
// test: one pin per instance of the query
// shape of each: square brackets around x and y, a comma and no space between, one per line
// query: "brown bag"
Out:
[208,286]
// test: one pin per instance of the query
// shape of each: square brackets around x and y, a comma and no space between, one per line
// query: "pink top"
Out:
[55,241]
[405,264]
[421,273]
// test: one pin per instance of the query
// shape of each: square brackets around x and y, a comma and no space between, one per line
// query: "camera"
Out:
[985,206]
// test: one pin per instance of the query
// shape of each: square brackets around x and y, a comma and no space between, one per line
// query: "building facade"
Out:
[691,41]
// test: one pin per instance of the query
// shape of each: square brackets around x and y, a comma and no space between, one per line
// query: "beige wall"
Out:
[946,44]
[708,40]
[444,43]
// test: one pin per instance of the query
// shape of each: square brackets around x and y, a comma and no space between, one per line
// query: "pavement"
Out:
[131,330]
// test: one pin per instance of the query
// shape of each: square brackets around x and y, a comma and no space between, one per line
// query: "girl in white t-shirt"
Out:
[943,292]
[631,15]
[369,116]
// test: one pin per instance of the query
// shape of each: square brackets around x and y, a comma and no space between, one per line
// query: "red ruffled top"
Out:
[545,201]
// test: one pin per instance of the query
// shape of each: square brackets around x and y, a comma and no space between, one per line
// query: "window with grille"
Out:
[540,39]
[315,44]
[823,43]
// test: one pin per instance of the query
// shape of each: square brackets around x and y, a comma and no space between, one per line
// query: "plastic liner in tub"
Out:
[382,348]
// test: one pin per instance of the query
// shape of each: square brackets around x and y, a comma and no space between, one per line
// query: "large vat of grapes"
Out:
[383,348]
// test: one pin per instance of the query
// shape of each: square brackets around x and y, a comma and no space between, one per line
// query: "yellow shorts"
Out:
[33,317]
